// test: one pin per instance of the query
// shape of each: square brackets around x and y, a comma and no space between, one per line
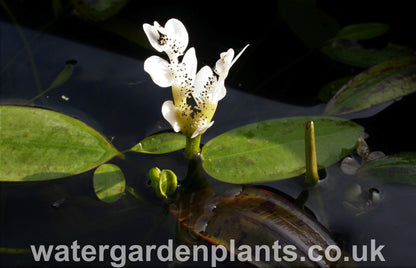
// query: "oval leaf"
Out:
[161,143]
[362,31]
[363,57]
[384,82]
[393,168]
[275,149]
[253,217]
[38,144]
[109,183]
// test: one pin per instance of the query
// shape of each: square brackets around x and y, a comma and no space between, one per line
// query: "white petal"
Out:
[226,61]
[159,71]
[176,30]
[169,113]
[202,84]
[153,36]
[223,65]
[190,62]
[201,129]
[220,91]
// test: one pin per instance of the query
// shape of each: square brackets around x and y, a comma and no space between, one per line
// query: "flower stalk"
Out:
[193,146]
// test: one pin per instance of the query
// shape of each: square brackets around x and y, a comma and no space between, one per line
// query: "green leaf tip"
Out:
[311,163]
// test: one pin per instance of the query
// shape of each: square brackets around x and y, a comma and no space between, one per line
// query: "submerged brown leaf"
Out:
[254,218]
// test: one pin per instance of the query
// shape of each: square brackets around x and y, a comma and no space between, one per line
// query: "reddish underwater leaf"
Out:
[253,217]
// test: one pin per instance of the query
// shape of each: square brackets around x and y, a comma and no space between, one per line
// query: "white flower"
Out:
[206,87]
[171,39]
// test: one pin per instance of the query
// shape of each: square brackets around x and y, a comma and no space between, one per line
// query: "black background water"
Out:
[110,91]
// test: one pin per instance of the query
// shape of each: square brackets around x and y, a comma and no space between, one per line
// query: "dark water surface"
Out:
[112,93]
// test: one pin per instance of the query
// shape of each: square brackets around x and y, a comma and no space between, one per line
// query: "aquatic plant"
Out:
[195,94]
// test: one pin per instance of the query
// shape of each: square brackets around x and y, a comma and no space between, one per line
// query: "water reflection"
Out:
[249,217]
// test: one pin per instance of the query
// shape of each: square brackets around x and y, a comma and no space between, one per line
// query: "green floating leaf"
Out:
[275,149]
[362,31]
[384,82]
[161,143]
[98,10]
[38,144]
[364,58]
[109,183]
[253,217]
[392,168]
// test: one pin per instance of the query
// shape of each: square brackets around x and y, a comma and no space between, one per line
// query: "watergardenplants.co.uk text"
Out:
[120,255]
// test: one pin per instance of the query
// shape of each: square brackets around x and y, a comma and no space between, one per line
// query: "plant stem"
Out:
[311,174]
[192,147]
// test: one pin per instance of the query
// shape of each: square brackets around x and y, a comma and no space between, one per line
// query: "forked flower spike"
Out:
[206,87]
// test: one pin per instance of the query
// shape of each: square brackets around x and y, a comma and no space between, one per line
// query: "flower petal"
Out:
[226,61]
[169,113]
[223,65]
[159,71]
[172,39]
[220,91]
[190,62]
[175,29]
[204,85]
[153,35]
[201,129]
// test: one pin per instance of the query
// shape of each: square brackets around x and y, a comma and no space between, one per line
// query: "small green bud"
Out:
[164,182]
[154,174]
[168,182]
